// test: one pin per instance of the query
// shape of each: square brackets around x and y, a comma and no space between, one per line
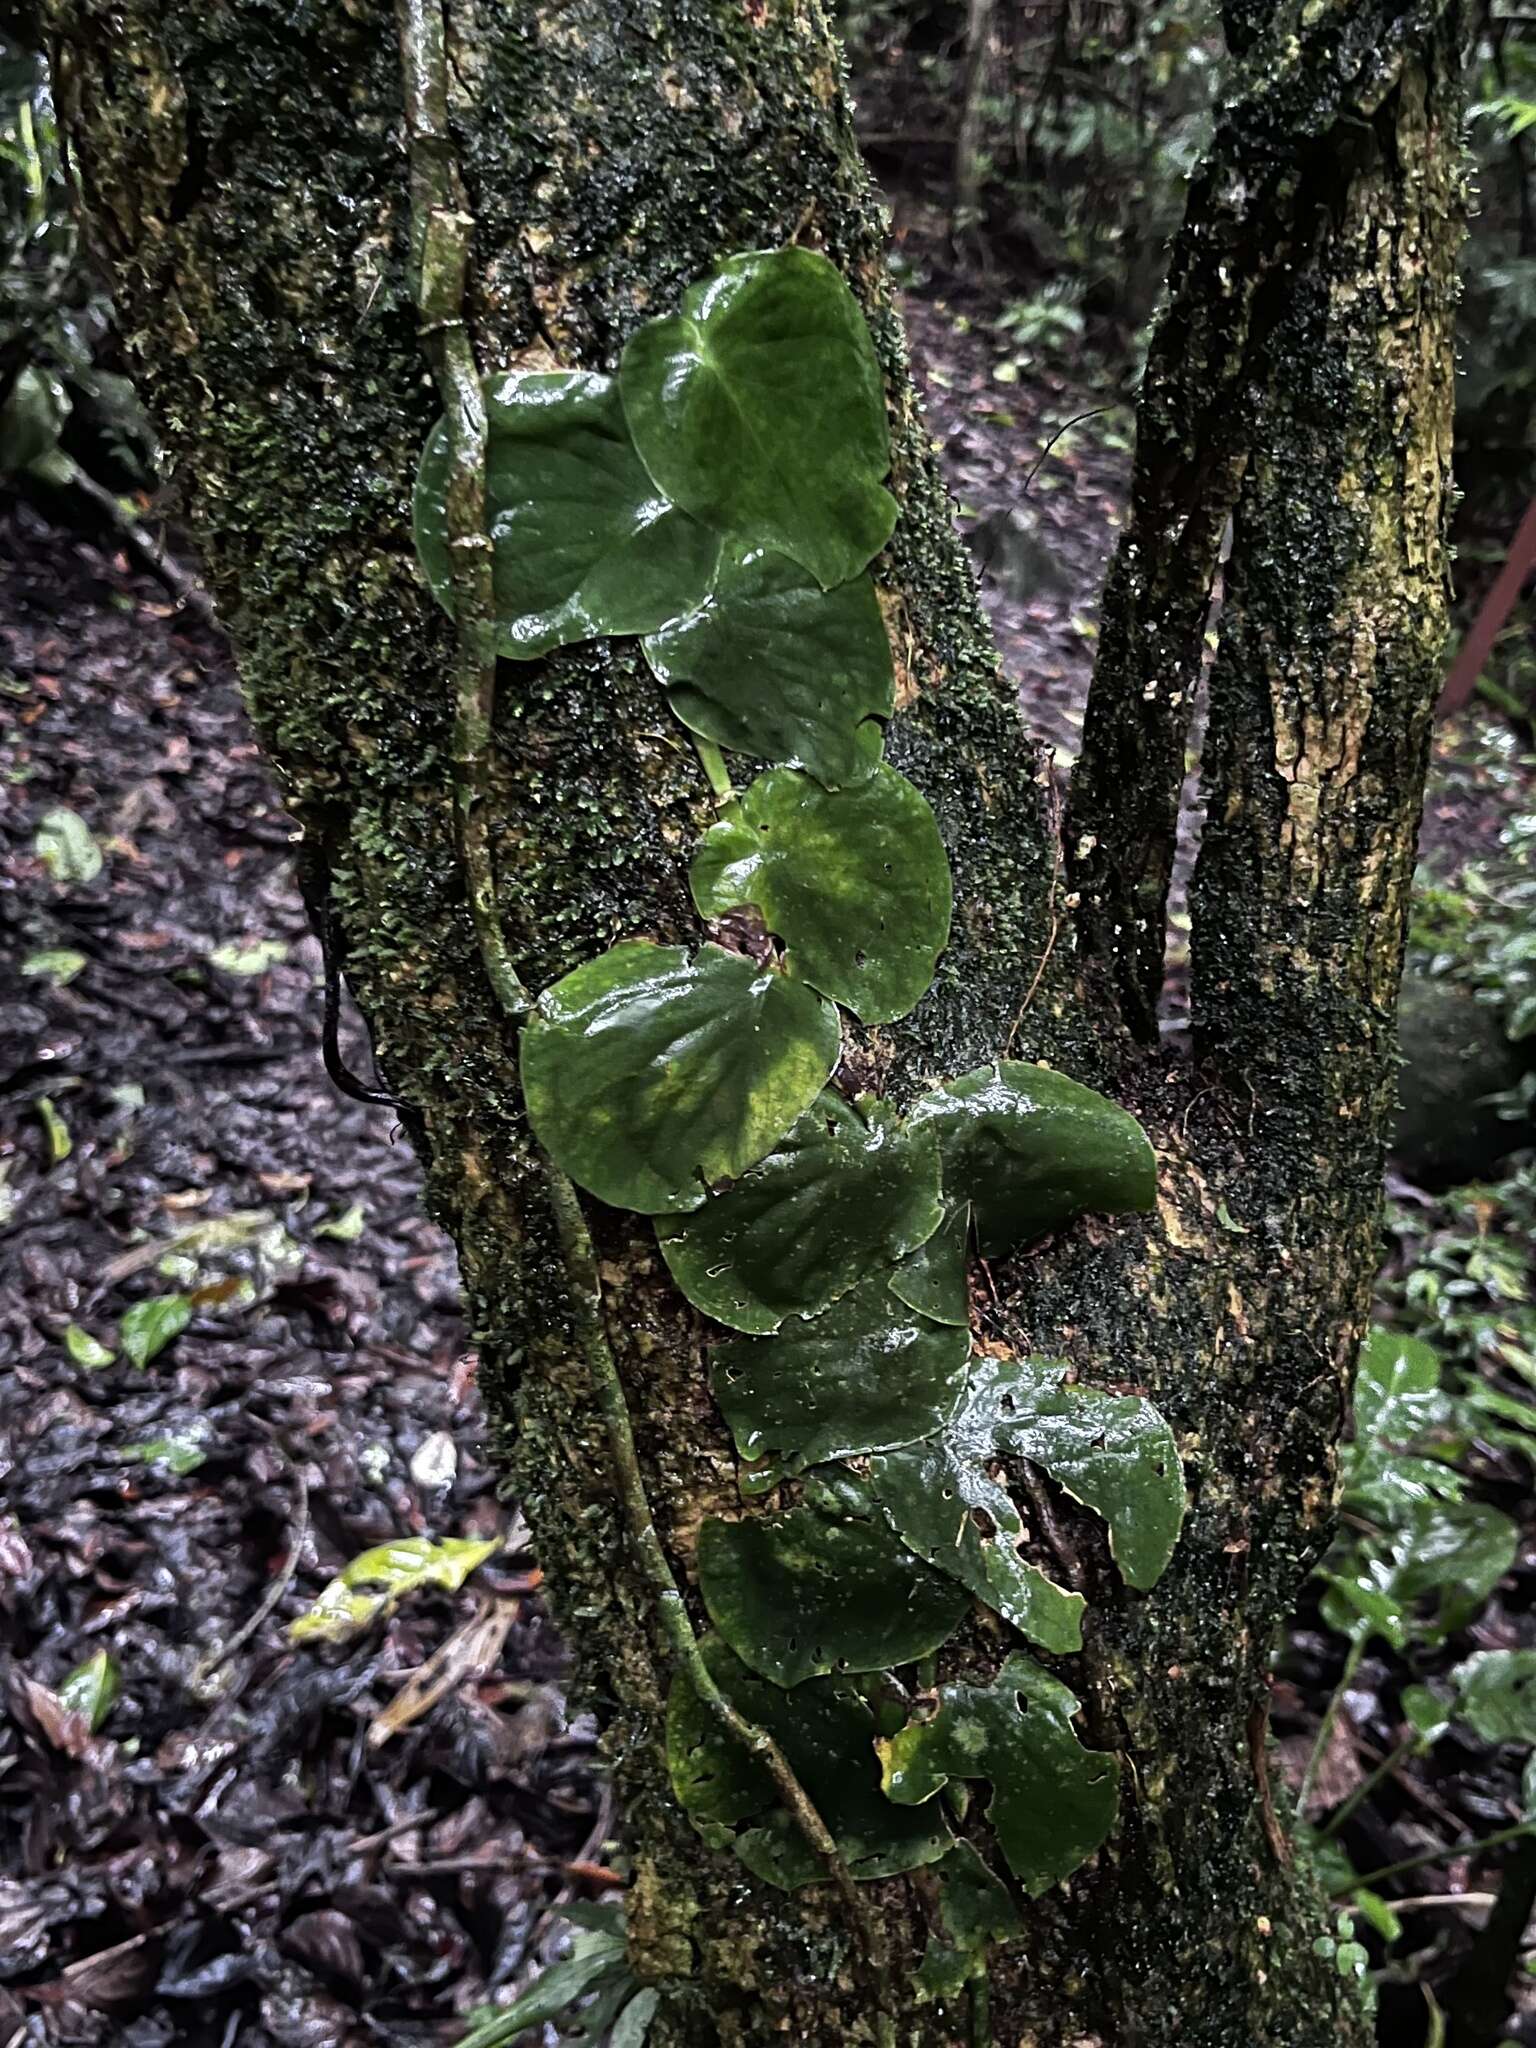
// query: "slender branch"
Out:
[1443,1852]
[442,232]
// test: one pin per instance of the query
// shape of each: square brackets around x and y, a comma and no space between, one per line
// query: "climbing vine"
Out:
[722,497]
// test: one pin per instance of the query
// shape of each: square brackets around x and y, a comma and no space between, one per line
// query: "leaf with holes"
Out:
[932,1278]
[1030,1150]
[760,409]
[865,1375]
[843,1189]
[583,542]
[827,1731]
[797,1595]
[771,664]
[1053,1802]
[855,882]
[648,1073]
[942,1501]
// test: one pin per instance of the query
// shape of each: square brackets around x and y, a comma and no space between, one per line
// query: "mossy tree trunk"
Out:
[243,171]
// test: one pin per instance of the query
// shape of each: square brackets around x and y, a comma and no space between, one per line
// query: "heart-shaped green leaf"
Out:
[648,1073]
[1030,1150]
[1053,1802]
[584,543]
[1498,1695]
[932,1278]
[773,665]
[827,1732]
[867,1374]
[855,882]
[841,1189]
[760,409]
[797,1595]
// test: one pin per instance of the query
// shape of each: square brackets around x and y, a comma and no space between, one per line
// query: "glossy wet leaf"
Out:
[1053,1802]
[598,1961]
[648,1073]
[584,543]
[772,665]
[868,1374]
[67,847]
[942,1500]
[760,408]
[1030,1150]
[827,1731]
[1426,1576]
[798,1594]
[845,1187]
[1397,1387]
[144,1330]
[1498,1695]
[380,1578]
[932,1279]
[92,1689]
[854,881]
[1113,1452]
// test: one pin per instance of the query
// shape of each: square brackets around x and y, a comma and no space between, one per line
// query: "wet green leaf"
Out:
[378,1579]
[1030,1150]
[1455,1550]
[92,1689]
[867,1374]
[942,1500]
[66,846]
[648,1073]
[1053,1802]
[584,543]
[1427,1714]
[827,1732]
[84,1349]
[144,1330]
[1397,1387]
[932,1278]
[772,665]
[597,1962]
[797,1595]
[55,1131]
[855,882]
[760,408]
[347,1227]
[1113,1452]
[843,1189]
[1498,1695]
[634,2022]
[58,964]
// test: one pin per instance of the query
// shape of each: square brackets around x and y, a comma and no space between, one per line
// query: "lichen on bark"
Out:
[244,174]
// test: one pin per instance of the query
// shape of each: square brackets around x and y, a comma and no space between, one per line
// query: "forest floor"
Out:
[266,1841]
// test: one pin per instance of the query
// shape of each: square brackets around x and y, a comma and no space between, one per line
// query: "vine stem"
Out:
[1443,1852]
[712,761]
[441,234]
[981,2011]
[1325,1727]
[442,231]
[1367,1786]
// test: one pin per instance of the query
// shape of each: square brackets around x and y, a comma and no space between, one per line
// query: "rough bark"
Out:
[243,170]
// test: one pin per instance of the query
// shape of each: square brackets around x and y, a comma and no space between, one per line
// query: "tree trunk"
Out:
[967,215]
[244,175]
